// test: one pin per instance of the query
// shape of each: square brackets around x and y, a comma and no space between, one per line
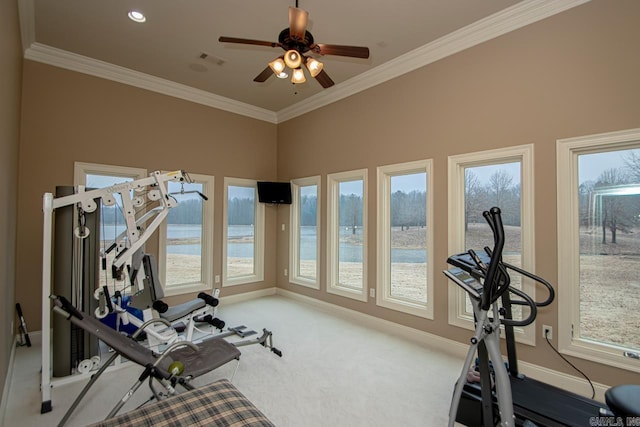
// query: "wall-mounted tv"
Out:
[274,192]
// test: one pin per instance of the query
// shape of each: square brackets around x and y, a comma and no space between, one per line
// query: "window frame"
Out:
[456,236]
[567,152]
[258,230]
[208,185]
[383,286]
[333,224]
[294,235]
[82,169]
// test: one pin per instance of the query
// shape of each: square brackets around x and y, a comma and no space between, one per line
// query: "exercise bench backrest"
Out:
[124,345]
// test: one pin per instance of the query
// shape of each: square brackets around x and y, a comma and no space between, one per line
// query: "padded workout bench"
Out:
[217,404]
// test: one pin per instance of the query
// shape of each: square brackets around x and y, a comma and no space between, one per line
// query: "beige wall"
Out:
[69,117]
[10,85]
[570,75]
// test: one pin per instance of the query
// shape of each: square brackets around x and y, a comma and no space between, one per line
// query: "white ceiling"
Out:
[95,36]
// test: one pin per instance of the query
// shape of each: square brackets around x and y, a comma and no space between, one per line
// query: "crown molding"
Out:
[521,14]
[82,64]
[500,23]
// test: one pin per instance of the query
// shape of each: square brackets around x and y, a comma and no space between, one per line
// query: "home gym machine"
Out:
[502,395]
[80,203]
[75,220]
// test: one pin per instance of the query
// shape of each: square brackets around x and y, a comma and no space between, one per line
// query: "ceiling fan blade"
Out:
[324,79]
[297,22]
[339,50]
[224,39]
[264,75]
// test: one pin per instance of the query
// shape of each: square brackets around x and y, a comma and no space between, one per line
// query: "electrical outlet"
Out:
[547,331]
[372,292]
[217,278]
[286,272]
[283,228]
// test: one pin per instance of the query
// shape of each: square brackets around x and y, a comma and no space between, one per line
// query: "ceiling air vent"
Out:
[212,58]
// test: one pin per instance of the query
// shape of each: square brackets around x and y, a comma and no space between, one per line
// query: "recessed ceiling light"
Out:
[136,16]
[282,75]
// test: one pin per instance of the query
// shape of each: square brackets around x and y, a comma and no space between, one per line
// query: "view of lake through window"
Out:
[408,237]
[240,230]
[184,235]
[308,234]
[111,224]
[350,249]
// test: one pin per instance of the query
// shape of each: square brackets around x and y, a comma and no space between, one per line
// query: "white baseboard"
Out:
[577,385]
[246,296]
[7,381]
[571,383]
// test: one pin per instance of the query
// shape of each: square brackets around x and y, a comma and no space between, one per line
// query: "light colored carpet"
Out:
[333,373]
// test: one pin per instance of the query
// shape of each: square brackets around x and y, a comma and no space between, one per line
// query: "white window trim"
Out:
[567,151]
[82,169]
[333,241]
[383,294]
[258,230]
[294,227]
[207,245]
[456,167]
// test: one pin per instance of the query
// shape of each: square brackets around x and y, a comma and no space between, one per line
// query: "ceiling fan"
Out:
[297,43]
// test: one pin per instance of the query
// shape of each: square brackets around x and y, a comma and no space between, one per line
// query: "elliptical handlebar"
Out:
[497,278]
[526,300]
[492,272]
[491,281]
[551,292]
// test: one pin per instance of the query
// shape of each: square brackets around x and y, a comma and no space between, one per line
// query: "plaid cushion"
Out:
[216,404]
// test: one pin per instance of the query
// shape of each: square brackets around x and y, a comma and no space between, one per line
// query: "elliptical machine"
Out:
[503,396]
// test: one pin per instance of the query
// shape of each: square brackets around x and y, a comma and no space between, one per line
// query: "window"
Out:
[186,238]
[477,182]
[243,248]
[112,221]
[347,234]
[304,265]
[405,238]
[599,247]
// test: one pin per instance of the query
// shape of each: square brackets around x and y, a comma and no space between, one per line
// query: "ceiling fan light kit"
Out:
[296,41]
[314,66]
[298,76]
[277,65]
[293,59]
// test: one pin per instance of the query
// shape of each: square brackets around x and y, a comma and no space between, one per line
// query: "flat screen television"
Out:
[274,192]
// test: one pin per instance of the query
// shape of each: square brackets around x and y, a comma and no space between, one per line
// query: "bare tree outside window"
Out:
[350,249]
[608,223]
[408,237]
[487,186]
